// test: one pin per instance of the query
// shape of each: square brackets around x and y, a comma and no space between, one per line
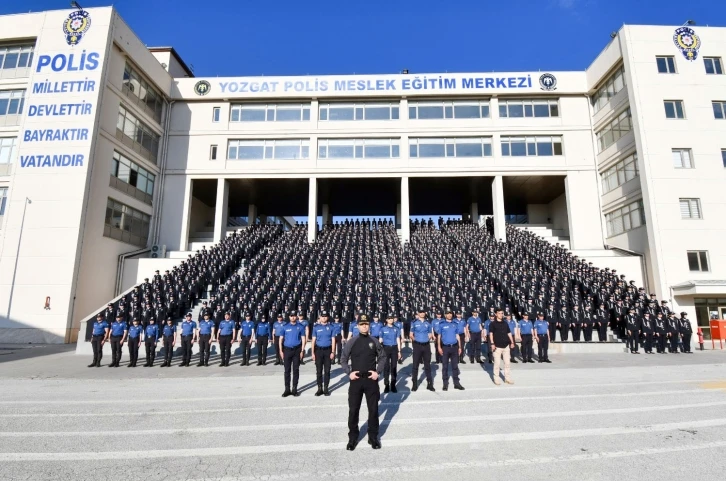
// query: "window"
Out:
[11,107]
[682,158]
[141,93]
[270,113]
[460,109]
[137,135]
[626,218]
[609,89]
[456,147]
[129,177]
[358,148]
[216,111]
[713,65]
[623,171]
[15,61]
[268,149]
[690,208]
[528,108]
[614,130]
[8,150]
[3,201]
[719,109]
[697,261]
[666,64]
[126,224]
[673,109]
[359,111]
[723,157]
[212,152]
[539,146]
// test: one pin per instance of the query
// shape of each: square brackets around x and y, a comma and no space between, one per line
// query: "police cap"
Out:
[363,319]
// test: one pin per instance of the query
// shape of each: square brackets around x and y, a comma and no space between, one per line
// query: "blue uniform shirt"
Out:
[461,326]
[293,334]
[541,327]
[353,329]
[390,335]
[205,327]
[474,324]
[486,325]
[323,334]
[525,327]
[118,328]
[99,328]
[435,324]
[277,326]
[376,329]
[152,332]
[135,331]
[247,327]
[337,328]
[226,327]
[512,325]
[421,330]
[169,330]
[447,331]
[187,327]
[305,324]
[263,329]
[399,325]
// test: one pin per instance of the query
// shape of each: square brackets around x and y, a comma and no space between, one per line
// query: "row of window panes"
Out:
[11,102]
[690,208]
[623,171]
[539,146]
[138,132]
[626,218]
[667,64]
[452,147]
[270,113]
[268,149]
[139,89]
[361,111]
[463,109]
[127,171]
[618,127]
[3,199]
[528,108]
[16,56]
[609,89]
[125,218]
[8,150]
[358,148]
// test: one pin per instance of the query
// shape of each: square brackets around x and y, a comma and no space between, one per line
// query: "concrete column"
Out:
[582,204]
[251,214]
[474,212]
[327,219]
[221,211]
[405,227]
[186,215]
[500,225]
[312,209]
[397,219]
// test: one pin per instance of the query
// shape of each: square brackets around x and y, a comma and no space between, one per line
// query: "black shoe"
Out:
[113,364]
[514,361]
[400,361]
[295,392]
[286,393]
[481,361]
[387,389]
[531,361]
[259,363]
[459,387]
[539,360]
[393,388]
[414,387]
[93,364]
[221,364]
[462,361]
[351,445]
[326,392]
[206,364]
[375,444]
[146,365]
[98,364]
[182,364]
[201,364]
[130,365]
[548,361]
[445,388]
[277,363]
[319,392]
[302,363]
[430,387]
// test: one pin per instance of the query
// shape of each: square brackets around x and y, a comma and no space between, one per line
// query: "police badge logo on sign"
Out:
[687,42]
[548,82]
[76,26]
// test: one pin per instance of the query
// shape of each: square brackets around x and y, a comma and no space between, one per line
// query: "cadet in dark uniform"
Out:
[119,331]
[367,359]
[660,333]
[169,338]
[134,339]
[151,336]
[449,348]
[421,335]
[246,337]
[525,332]
[587,324]
[601,322]
[671,324]
[686,332]
[632,326]
[205,333]
[262,333]
[188,336]
[323,347]
[647,329]
[542,329]
[225,334]
[292,347]
[473,332]
[391,340]
[276,334]
[98,339]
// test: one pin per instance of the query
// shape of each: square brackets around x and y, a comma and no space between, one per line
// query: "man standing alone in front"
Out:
[500,337]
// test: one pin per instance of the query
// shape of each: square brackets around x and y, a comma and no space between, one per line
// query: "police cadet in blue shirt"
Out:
[338,336]
[515,334]
[376,327]
[323,345]
[205,334]
[390,337]
[246,338]
[168,334]
[98,339]
[542,328]
[188,336]
[525,333]
[276,334]
[262,333]
[352,330]
[449,348]
[473,330]
[461,331]
[292,346]
[225,334]
[421,335]
[135,331]
[151,336]
[119,330]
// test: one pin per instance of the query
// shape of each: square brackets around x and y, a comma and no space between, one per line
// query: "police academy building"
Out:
[109,149]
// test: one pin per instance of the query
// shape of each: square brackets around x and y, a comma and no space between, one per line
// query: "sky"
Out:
[284,37]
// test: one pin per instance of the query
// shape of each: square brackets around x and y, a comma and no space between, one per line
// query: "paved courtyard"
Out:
[596,416]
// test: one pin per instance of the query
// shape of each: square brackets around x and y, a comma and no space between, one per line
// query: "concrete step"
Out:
[586,347]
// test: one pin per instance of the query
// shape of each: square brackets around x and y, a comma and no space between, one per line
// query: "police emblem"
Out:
[687,42]
[371,345]
[202,87]
[548,82]
[76,26]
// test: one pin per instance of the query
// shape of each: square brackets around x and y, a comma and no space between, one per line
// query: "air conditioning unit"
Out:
[158,251]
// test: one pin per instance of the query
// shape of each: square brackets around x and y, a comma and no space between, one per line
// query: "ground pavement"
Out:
[599,416]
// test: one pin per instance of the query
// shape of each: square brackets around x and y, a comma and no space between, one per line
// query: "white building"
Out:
[108,148]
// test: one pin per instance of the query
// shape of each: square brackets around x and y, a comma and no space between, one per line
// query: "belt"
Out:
[291,348]
[322,347]
[450,345]
[527,334]
[186,336]
[113,335]
[422,343]
[543,334]
[390,345]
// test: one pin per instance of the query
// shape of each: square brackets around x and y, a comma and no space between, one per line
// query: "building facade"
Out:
[108,148]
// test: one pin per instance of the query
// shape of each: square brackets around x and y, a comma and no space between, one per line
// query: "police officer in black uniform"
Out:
[686,332]
[632,326]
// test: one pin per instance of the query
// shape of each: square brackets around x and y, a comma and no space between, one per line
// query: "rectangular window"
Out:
[539,146]
[673,109]
[723,157]
[216,112]
[212,152]
[268,149]
[623,171]
[359,111]
[450,147]
[713,65]
[11,107]
[8,150]
[358,148]
[270,113]
[614,130]
[719,109]
[697,261]
[459,109]
[609,89]
[137,181]
[142,93]
[3,202]
[690,208]
[137,135]
[666,64]
[126,224]
[528,108]
[625,219]
[15,61]
[682,158]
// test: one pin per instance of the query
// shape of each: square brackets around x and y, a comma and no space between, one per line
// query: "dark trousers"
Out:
[116,349]
[150,351]
[633,340]
[422,352]
[602,331]
[97,344]
[648,344]
[543,345]
[372,392]
[450,355]
[276,347]
[246,348]
[661,342]
[291,358]
[225,348]
[436,343]
[673,346]
[204,348]
[553,330]
[168,349]
[527,351]
[186,342]
[686,342]
[564,332]
[462,346]
[587,332]
[576,329]
[475,345]
[322,365]
[262,349]
[406,330]
[391,367]
[133,350]
[338,347]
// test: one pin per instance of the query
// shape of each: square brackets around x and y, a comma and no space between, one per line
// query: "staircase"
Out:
[546,232]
